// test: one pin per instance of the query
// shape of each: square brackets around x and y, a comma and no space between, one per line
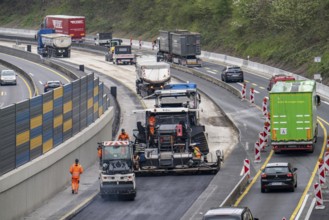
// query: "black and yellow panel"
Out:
[22,133]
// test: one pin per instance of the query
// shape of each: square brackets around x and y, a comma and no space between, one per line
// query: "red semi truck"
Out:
[75,26]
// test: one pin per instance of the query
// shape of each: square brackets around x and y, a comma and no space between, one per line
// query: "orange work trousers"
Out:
[75,185]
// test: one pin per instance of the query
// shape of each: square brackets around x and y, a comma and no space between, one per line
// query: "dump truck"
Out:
[53,44]
[121,55]
[168,145]
[151,76]
[103,39]
[117,178]
[180,47]
[75,26]
[293,116]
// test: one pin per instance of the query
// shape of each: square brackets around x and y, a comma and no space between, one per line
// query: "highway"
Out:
[248,120]
[10,94]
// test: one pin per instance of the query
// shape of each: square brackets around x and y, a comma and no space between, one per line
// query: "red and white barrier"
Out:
[264,107]
[257,153]
[321,171]
[243,92]
[318,196]
[326,162]
[327,142]
[266,131]
[252,95]
[246,167]
[262,141]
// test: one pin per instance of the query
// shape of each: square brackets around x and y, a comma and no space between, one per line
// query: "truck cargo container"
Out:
[64,24]
[53,44]
[151,76]
[293,115]
[103,39]
[180,47]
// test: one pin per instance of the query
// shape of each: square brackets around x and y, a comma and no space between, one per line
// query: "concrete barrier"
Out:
[25,188]
[236,192]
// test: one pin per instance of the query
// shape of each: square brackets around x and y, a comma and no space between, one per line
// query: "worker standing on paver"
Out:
[76,170]
[100,153]
[123,136]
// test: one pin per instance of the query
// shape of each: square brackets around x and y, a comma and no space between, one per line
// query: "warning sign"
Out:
[283,131]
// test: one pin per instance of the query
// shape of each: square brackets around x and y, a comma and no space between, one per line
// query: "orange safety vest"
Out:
[76,170]
[99,151]
[197,152]
[152,124]
[123,137]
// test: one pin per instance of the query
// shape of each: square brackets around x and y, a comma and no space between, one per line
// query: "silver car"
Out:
[8,77]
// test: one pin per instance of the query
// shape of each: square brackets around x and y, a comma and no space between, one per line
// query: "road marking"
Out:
[3,93]
[325,102]
[253,180]
[1,104]
[256,91]
[292,217]
[31,74]
[207,68]
[303,205]
[309,212]
[27,85]
[40,82]
[261,87]
[211,72]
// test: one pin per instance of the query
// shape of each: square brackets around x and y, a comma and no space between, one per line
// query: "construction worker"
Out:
[197,152]
[99,153]
[76,169]
[123,136]
[152,124]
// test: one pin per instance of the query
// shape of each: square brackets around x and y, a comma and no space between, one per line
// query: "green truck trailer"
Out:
[293,115]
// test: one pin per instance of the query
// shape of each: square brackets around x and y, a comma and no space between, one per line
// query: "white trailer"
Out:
[151,76]
[57,45]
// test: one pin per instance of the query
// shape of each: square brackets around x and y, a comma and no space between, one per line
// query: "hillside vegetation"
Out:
[284,33]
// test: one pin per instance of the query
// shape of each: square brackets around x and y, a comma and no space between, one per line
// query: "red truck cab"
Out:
[278,78]
[74,26]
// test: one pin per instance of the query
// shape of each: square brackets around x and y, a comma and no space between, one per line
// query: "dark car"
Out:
[229,213]
[232,74]
[278,176]
[277,78]
[50,85]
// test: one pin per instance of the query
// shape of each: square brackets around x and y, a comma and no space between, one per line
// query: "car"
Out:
[277,78]
[232,73]
[8,77]
[50,85]
[234,213]
[278,176]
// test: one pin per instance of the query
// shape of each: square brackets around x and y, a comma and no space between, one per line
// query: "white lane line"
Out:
[261,87]
[325,102]
[3,93]
[254,85]
[207,68]
[196,68]
[302,207]
[2,104]
[41,82]
[31,74]
[309,212]
[211,72]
